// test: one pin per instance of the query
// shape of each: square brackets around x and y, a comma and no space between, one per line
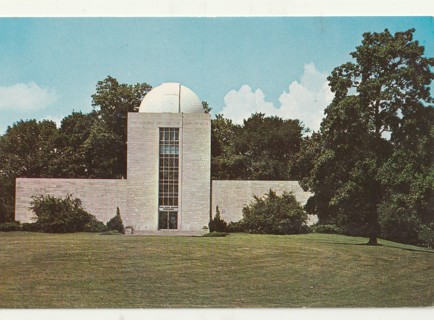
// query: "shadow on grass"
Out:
[425,250]
[419,249]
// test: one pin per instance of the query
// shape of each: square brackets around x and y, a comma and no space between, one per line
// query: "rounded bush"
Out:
[61,215]
[273,214]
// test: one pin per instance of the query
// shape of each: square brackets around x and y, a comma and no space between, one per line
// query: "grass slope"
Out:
[313,270]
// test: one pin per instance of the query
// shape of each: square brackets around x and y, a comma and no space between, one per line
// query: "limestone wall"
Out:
[195,159]
[232,195]
[99,197]
[142,166]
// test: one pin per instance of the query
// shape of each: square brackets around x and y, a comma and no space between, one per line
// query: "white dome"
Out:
[171,97]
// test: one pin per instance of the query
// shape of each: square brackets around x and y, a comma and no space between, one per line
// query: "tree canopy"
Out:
[260,149]
[113,100]
[373,170]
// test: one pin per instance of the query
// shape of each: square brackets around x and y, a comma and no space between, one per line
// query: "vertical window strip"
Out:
[169,167]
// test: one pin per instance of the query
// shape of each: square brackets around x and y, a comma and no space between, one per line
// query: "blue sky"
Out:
[50,66]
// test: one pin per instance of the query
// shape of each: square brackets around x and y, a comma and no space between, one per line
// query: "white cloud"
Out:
[305,100]
[241,104]
[26,97]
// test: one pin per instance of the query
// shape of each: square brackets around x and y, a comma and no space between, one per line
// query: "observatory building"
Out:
[168,187]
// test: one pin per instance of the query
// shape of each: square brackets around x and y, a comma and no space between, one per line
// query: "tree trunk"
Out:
[373,239]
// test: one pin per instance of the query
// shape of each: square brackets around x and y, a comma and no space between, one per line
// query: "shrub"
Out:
[60,215]
[326,228]
[399,224]
[10,226]
[217,223]
[95,226]
[274,214]
[426,235]
[215,234]
[116,223]
[110,233]
[31,227]
[235,227]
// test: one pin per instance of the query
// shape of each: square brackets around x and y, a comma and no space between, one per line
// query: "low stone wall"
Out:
[232,195]
[99,197]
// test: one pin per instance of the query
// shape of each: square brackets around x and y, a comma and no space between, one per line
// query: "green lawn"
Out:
[313,270]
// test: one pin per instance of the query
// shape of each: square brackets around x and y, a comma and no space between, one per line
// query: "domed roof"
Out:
[171,97]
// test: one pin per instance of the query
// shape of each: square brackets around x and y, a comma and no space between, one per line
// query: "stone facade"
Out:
[142,168]
[232,195]
[99,196]
[194,164]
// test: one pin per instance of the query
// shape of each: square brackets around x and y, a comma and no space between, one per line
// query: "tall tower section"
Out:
[169,157]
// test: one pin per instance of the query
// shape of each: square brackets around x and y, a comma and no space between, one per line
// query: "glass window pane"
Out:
[173,220]
[163,220]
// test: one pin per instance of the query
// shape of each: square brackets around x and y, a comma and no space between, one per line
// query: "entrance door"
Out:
[167,220]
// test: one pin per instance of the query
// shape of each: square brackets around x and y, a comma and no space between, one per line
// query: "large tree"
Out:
[26,150]
[73,158]
[113,101]
[225,164]
[378,124]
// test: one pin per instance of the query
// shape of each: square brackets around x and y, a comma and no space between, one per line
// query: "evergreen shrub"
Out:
[10,226]
[235,227]
[327,228]
[116,223]
[217,224]
[31,227]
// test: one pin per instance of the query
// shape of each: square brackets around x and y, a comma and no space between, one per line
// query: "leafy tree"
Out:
[361,178]
[26,150]
[265,145]
[102,150]
[302,162]
[73,158]
[62,215]
[116,223]
[7,202]
[225,164]
[113,101]
[274,214]
[94,145]
[206,107]
[258,150]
